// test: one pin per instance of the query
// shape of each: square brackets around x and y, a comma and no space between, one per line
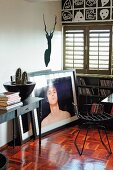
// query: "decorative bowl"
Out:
[24,89]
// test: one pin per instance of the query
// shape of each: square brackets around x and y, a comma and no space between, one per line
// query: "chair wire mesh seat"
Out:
[96,118]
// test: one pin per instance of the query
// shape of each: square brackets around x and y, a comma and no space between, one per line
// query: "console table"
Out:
[28,107]
[13,114]
[6,115]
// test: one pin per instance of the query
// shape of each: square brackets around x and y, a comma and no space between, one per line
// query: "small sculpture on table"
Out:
[20,84]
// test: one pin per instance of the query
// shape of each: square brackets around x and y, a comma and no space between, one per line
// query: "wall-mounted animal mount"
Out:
[48,37]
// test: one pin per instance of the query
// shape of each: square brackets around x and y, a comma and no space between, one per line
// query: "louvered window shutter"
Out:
[99,50]
[74,49]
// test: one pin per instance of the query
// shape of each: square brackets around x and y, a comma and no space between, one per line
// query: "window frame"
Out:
[86,28]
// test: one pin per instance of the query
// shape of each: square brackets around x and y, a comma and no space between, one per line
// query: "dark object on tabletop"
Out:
[3,162]
[24,89]
[21,78]
[49,37]
[20,84]
[95,118]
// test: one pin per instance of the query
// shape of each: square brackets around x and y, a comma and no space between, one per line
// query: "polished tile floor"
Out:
[58,152]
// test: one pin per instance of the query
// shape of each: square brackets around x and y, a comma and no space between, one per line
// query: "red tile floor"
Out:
[58,152]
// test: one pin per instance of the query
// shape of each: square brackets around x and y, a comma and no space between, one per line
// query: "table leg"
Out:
[39,123]
[13,133]
[33,124]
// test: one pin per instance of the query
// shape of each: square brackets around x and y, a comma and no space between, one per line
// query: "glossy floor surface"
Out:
[58,152]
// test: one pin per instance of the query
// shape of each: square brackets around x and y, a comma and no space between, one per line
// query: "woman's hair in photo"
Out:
[64,90]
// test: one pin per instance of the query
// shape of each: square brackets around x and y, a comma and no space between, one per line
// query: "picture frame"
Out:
[65,81]
[25,128]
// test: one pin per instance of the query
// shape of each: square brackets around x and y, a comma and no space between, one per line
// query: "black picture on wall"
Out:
[90,14]
[104,14]
[78,4]
[87,10]
[66,4]
[79,15]
[104,3]
[67,15]
[90,3]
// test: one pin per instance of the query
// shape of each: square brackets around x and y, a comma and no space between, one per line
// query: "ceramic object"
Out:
[24,89]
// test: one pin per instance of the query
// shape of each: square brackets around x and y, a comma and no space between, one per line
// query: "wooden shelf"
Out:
[93,88]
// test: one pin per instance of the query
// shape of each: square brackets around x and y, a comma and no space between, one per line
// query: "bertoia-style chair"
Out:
[93,118]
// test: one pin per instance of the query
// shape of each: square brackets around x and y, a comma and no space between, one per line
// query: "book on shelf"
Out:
[9,96]
[86,91]
[104,92]
[96,108]
[11,106]
[81,81]
[111,110]
[106,83]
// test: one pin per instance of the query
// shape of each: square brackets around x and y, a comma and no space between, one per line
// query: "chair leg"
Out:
[75,142]
[107,148]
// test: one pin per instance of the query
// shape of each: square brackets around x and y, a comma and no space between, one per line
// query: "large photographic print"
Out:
[58,90]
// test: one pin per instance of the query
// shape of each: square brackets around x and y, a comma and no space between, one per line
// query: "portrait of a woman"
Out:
[57,105]
[56,114]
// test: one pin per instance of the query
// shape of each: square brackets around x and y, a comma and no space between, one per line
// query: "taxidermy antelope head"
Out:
[48,37]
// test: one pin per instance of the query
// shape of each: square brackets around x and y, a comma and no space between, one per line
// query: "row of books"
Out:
[89,92]
[97,108]
[9,100]
[106,83]
[103,82]
[104,92]
[85,91]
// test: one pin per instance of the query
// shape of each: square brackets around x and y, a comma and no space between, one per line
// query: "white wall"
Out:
[23,41]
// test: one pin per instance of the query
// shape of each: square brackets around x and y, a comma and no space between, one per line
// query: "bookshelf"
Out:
[93,88]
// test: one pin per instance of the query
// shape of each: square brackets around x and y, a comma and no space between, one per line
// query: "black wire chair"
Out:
[95,118]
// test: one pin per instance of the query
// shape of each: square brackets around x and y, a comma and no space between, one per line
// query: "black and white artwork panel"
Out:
[67,15]
[87,10]
[67,4]
[103,14]
[104,3]
[79,15]
[78,4]
[90,3]
[90,14]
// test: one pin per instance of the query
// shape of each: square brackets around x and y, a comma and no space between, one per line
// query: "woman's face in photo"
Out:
[52,95]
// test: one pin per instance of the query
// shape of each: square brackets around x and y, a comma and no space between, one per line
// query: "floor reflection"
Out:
[84,165]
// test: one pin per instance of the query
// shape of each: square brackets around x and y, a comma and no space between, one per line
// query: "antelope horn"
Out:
[54,24]
[44,24]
